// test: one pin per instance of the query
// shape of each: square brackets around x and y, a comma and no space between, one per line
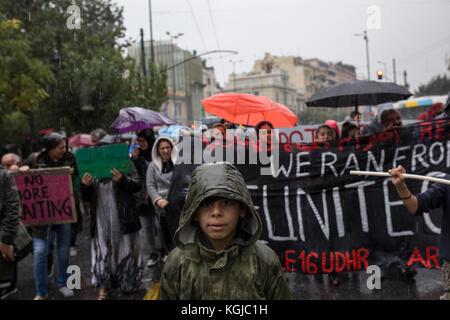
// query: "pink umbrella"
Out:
[81,139]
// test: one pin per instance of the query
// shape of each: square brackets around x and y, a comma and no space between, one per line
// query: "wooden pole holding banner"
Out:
[59,170]
[406,175]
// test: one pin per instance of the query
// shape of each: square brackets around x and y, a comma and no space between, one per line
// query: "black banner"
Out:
[318,218]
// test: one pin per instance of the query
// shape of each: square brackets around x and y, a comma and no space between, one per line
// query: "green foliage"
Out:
[145,91]
[89,87]
[438,85]
[17,124]
[22,77]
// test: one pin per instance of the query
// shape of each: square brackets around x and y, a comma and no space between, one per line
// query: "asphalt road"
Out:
[427,284]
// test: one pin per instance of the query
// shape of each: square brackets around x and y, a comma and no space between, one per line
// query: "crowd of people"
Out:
[215,221]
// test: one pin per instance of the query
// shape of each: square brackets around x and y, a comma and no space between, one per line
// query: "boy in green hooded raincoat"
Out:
[218,255]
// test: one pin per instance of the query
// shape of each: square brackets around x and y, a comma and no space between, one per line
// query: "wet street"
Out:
[427,284]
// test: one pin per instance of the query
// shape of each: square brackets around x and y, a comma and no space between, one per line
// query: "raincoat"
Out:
[246,269]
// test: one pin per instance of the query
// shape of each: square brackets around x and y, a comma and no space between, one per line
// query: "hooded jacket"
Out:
[157,185]
[246,269]
[142,161]
[431,113]
[123,189]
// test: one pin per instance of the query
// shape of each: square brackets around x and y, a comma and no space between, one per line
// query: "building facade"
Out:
[273,83]
[307,75]
[185,78]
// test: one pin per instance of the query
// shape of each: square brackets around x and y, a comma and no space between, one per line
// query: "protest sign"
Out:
[320,219]
[99,161]
[46,199]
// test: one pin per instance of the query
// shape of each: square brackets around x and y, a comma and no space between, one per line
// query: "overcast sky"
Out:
[414,32]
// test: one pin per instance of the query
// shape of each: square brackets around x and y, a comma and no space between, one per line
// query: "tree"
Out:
[90,85]
[23,79]
[146,91]
[438,85]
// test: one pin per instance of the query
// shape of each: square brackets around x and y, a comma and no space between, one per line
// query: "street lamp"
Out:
[172,38]
[367,50]
[55,65]
[234,74]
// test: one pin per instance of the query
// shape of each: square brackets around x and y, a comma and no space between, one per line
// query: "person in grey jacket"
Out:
[159,175]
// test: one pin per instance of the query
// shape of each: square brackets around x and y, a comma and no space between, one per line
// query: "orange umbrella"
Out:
[248,109]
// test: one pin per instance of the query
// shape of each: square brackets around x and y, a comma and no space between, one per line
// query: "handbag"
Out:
[23,244]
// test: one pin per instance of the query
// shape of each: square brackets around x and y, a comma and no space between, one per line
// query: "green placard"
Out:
[99,161]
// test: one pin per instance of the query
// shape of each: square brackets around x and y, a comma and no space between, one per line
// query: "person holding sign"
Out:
[438,195]
[115,247]
[54,155]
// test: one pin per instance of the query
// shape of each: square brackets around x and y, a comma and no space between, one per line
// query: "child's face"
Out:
[324,134]
[218,218]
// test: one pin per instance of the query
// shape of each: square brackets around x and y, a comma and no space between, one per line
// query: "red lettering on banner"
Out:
[288,147]
[324,262]
[282,134]
[340,146]
[351,261]
[330,261]
[382,136]
[289,261]
[312,130]
[295,132]
[311,267]
[417,257]
[337,267]
[439,129]
[433,257]
[301,256]
[425,128]
[362,258]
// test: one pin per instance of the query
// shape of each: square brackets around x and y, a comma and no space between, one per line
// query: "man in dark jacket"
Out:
[438,195]
[218,255]
[9,224]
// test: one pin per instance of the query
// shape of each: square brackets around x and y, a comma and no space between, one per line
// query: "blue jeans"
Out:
[40,253]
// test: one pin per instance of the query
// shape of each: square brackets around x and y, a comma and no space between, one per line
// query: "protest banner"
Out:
[320,219]
[99,161]
[46,198]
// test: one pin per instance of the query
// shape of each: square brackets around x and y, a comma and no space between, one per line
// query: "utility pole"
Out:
[152,51]
[394,72]
[367,54]
[367,51]
[172,38]
[405,80]
[143,53]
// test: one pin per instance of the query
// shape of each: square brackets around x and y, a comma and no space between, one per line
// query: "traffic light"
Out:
[380,74]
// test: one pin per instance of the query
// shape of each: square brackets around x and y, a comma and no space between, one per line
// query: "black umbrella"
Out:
[358,92]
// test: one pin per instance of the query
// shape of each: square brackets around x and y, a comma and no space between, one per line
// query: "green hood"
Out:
[220,180]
